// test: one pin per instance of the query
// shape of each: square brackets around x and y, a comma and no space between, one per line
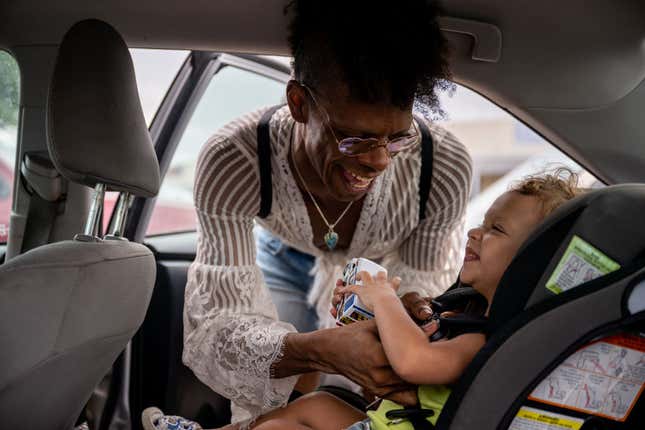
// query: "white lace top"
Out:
[231,331]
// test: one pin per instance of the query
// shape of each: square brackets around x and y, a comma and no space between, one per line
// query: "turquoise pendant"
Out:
[331,239]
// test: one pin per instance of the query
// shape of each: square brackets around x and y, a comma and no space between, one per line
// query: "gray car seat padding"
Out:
[610,219]
[521,354]
[96,129]
[67,310]
[626,322]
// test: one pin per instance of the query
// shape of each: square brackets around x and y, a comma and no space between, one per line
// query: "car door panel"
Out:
[164,381]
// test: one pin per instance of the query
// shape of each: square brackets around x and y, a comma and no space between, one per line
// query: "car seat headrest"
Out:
[588,237]
[97,133]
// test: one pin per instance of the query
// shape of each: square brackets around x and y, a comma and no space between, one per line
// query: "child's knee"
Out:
[316,402]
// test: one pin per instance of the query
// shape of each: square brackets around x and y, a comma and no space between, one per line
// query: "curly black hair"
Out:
[389,52]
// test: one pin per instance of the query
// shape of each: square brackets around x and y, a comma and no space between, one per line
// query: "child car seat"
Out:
[570,302]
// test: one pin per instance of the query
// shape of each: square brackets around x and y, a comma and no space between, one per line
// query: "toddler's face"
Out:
[492,246]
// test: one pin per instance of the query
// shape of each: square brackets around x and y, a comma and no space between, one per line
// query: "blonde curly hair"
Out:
[552,188]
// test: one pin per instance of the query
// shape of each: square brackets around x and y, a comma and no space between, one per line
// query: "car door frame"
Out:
[177,108]
[166,130]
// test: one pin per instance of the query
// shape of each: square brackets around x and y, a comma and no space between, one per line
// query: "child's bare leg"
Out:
[318,411]
[274,423]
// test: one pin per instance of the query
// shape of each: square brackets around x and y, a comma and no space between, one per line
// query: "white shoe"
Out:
[153,419]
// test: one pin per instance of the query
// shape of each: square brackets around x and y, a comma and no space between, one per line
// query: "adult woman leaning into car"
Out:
[345,160]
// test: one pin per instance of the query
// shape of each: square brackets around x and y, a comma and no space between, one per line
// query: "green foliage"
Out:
[9,90]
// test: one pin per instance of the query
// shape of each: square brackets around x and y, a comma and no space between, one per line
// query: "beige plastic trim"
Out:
[487,44]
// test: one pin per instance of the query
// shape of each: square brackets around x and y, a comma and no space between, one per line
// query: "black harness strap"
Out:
[418,417]
[469,307]
[46,196]
[264,160]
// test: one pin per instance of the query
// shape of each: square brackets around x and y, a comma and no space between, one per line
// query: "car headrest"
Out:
[95,125]
[595,235]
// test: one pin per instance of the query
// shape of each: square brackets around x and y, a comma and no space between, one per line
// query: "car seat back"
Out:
[69,308]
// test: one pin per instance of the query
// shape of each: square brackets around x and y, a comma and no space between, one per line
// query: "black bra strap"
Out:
[264,160]
[425,177]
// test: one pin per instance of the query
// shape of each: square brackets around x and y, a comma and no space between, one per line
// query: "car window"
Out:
[9,106]
[503,149]
[155,70]
[231,93]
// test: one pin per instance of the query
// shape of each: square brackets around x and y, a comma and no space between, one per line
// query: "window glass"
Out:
[155,71]
[231,93]
[9,106]
[502,148]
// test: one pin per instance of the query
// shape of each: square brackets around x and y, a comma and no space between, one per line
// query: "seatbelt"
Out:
[46,189]
[40,220]
[264,160]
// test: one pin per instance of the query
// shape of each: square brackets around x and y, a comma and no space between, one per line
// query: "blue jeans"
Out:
[286,272]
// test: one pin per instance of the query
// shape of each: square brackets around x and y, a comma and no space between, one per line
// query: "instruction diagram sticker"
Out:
[580,263]
[536,419]
[604,378]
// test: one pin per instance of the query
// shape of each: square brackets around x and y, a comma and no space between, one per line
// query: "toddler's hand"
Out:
[372,289]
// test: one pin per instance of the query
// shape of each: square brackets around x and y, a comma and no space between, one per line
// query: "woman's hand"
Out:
[353,350]
[336,298]
[418,307]
[372,290]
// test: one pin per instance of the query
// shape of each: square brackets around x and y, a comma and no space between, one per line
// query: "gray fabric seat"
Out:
[68,309]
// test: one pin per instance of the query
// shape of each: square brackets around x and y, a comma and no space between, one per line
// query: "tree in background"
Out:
[9,90]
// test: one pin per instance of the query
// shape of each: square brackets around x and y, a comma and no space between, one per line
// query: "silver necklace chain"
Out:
[322,215]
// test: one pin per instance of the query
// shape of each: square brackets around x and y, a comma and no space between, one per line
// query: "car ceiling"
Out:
[574,70]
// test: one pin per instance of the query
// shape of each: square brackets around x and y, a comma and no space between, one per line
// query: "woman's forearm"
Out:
[301,353]
[353,351]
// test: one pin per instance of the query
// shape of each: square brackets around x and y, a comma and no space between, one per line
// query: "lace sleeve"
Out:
[231,332]
[428,260]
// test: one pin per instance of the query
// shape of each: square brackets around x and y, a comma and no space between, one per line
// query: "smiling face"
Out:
[492,246]
[329,173]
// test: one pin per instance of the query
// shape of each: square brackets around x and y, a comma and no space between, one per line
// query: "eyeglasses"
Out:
[355,146]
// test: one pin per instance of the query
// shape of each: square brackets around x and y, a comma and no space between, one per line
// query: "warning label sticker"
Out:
[580,263]
[536,419]
[604,378]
